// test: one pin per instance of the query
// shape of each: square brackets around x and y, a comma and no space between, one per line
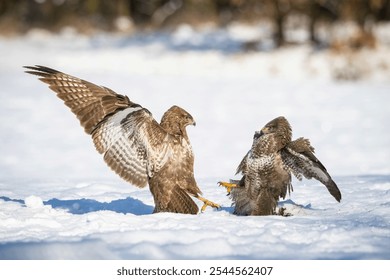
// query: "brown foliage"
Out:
[95,15]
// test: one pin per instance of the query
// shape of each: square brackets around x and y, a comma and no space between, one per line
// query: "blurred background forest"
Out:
[317,17]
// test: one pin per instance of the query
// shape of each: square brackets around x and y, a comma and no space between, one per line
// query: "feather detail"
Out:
[268,166]
[132,143]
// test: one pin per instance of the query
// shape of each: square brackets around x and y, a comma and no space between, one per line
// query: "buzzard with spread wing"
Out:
[268,166]
[140,150]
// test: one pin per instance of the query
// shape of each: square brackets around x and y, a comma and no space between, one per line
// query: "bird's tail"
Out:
[181,202]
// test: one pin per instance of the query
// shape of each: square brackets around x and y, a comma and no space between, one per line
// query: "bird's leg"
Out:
[207,203]
[228,186]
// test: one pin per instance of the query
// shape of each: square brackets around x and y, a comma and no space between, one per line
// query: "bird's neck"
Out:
[269,144]
[175,129]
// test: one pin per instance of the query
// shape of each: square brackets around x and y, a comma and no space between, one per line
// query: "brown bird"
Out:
[267,170]
[132,143]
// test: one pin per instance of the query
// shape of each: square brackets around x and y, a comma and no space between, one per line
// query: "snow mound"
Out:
[33,201]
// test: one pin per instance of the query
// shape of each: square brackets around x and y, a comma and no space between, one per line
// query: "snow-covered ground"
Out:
[59,200]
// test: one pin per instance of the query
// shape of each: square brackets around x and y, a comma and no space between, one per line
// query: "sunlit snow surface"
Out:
[58,200]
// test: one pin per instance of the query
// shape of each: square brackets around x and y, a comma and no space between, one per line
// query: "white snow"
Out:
[33,201]
[58,200]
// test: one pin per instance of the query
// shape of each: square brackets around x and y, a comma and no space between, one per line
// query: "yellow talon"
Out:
[207,203]
[228,186]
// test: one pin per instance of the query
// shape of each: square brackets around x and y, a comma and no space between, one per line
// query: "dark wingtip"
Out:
[40,70]
[334,190]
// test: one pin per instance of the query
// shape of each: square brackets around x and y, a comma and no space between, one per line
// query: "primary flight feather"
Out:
[134,145]
[268,166]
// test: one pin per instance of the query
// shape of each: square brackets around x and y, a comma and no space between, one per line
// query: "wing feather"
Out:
[298,156]
[133,144]
[242,166]
[82,97]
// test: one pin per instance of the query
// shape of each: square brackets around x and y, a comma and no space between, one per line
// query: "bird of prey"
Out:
[140,150]
[267,169]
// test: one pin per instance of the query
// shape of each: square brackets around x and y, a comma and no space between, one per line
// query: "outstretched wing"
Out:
[89,102]
[241,168]
[298,156]
[134,145]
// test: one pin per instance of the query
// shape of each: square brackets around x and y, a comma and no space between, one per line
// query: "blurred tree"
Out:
[321,10]
[21,15]
[382,10]
[228,10]
[281,8]
[165,11]
[153,12]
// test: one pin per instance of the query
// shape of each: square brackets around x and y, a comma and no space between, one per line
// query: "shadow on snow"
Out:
[291,202]
[82,206]
[128,205]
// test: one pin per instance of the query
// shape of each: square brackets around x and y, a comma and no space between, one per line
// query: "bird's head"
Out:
[278,127]
[176,119]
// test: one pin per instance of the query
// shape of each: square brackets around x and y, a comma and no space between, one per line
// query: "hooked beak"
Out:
[192,123]
[258,134]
